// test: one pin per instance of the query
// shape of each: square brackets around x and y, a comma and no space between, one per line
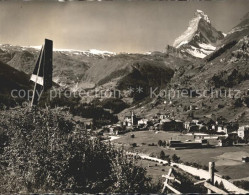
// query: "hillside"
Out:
[81,69]
[11,79]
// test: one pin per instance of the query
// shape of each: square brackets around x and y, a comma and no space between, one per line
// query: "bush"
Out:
[242,184]
[175,158]
[162,155]
[134,145]
[44,157]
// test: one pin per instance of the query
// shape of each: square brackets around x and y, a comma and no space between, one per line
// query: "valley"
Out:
[198,113]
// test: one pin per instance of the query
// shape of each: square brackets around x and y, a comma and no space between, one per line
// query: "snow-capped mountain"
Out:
[200,38]
[89,52]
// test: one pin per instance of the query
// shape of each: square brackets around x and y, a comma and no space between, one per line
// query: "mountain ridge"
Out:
[200,38]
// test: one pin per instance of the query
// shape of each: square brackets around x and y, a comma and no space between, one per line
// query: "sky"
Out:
[117,26]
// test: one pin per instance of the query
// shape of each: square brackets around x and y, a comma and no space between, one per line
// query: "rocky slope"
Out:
[200,39]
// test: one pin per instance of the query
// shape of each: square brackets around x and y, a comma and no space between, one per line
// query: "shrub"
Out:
[175,158]
[159,143]
[44,157]
[242,184]
[162,155]
[134,145]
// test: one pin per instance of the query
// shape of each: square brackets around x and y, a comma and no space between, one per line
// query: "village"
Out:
[206,131]
[192,143]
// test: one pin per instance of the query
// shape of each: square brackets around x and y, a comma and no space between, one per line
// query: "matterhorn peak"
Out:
[200,38]
[202,15]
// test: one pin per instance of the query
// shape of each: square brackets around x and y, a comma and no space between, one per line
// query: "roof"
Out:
[166,120]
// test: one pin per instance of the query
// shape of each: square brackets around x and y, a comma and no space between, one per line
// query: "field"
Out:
[154,170]
[228,159]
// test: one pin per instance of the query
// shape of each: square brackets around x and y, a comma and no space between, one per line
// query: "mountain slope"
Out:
[85,69]
[12,79]
[200,38]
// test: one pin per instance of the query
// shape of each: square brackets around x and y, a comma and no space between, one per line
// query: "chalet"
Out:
[179,125]
[193,125]
[186,125]
[165,120]
[233,136]
[243,132]
[171,125]
[221,129]
[228,139]
[193,107]
[163,116]
[142,121]
[224,141]
[245,159]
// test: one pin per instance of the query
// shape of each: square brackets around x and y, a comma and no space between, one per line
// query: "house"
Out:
[179,125]
[165,120]
[193,107]
[224,141]
[221,129]
[183,145]
[163,116]
[193,125]
[228,139]
[243,133]
[233,136]
[245,159]
[142,121]
[186,125]
[171,125]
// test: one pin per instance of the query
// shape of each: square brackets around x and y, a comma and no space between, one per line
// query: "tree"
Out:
[162,155]
[175,158]
[44,156]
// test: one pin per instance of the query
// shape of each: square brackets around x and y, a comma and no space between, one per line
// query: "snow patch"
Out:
[201,14]
[182,43]
[76,52]
[195,52]
[207,46]
[189,33]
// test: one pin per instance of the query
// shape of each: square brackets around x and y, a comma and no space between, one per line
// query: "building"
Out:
[221,129]
[228,140]
[186,125]
[171,125]
[243,133]
[245,159]
[224,141]
[183,145]
[130,120]
[142,121]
